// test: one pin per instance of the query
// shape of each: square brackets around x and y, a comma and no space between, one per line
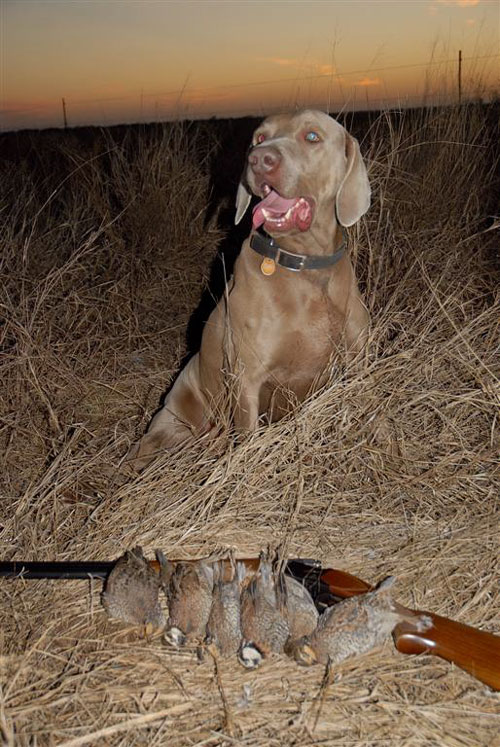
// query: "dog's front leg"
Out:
[183,417]
[246,406]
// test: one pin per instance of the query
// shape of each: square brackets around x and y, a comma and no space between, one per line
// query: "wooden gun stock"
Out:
[473,650]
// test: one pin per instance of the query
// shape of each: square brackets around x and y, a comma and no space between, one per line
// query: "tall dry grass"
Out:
[105,251]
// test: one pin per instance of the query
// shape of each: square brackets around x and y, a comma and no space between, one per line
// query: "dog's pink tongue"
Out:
[274,205]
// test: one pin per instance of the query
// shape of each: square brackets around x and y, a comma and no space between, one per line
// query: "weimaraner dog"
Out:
[293,300]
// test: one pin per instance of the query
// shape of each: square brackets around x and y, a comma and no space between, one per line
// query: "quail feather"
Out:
[302,614]
[189,597]
[264,625]
[131,592]
[224,622]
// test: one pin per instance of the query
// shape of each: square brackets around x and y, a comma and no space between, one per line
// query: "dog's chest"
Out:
[308,311]
[289,321]
[302,332]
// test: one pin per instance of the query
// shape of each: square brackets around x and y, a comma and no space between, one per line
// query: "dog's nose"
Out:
[264,160]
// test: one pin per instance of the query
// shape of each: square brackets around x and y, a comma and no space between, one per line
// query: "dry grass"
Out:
[100,273]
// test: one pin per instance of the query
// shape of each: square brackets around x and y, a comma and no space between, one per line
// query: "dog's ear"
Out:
[243,197]
[353,197]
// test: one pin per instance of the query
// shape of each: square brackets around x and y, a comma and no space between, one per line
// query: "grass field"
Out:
[110,251]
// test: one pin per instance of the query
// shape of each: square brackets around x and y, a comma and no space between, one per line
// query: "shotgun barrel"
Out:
[476,651]
[56,570]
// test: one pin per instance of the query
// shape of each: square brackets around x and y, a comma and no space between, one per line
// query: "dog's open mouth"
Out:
[279,213]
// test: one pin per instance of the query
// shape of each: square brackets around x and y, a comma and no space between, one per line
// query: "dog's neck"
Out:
[320,239]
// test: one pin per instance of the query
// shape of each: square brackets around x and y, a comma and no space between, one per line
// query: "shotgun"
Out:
[471,649]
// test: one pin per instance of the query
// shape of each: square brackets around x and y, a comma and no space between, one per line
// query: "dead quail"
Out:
[302,615]
[353,626]
[224,623]
[131,592]
[264,626]
[189,601]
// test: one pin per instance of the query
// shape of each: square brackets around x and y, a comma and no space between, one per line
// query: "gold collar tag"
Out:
[268,266]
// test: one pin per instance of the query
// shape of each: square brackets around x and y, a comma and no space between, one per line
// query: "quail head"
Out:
[131,592]
[224,622]
[264,626]
[353,626]
[302,614]
[189,601]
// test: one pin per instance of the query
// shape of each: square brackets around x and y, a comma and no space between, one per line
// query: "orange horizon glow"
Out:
[150,61]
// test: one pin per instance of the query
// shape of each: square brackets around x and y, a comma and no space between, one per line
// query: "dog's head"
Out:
[304,167]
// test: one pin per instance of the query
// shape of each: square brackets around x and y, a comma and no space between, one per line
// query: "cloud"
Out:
[313,68]
[326,70]
[459,3]
[365,82]
[433,8]
[282,61]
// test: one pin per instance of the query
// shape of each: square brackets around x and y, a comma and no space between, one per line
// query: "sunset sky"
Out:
[142,60]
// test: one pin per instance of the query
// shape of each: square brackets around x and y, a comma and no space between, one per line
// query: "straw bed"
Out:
[105,252]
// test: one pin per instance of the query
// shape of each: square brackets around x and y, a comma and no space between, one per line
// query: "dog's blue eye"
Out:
[312,137]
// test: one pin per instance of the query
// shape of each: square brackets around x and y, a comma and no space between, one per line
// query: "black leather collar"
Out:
[267,247]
